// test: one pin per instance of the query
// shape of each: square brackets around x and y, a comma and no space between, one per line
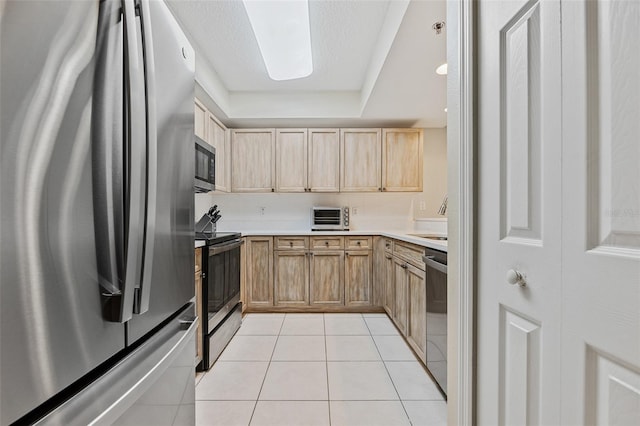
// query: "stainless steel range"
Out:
[221,306]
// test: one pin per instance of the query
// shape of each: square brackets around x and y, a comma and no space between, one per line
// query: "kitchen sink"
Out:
[431,236]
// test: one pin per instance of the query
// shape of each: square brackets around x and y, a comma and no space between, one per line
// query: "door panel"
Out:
[291,282]
[51,324]
[519,225]
[291,160]
[172,254]
[326,277]
[601,237]
[324,160]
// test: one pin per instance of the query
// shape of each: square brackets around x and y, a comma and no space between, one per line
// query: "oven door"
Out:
[222,282]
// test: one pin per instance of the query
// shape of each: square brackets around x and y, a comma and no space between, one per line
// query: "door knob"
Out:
[514,277]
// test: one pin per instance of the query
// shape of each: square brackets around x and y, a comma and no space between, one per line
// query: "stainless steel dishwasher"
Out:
[436,288]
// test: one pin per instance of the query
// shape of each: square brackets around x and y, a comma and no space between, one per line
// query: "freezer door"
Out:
[169,255]
[154,385]
[51,326]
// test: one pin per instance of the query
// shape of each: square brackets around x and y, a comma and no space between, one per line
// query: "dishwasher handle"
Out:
[432,263]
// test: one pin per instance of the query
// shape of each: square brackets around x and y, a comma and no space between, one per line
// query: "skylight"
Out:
[283,33]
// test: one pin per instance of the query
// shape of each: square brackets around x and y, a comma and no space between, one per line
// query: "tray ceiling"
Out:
[374,64]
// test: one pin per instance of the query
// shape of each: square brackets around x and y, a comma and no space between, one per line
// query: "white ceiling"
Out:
[374,65]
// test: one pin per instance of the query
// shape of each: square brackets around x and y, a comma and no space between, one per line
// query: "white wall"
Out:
[369,211]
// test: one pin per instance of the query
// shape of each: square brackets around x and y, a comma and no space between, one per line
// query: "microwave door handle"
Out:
[142,302]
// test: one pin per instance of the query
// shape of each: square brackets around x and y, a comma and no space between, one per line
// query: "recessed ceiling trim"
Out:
[392,22]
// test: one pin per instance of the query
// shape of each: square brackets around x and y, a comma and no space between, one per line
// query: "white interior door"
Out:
[519,200]
[601,212]
[559,202]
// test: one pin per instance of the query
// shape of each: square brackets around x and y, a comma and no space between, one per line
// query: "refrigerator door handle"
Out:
[142,303]
[135,162]
[118,159]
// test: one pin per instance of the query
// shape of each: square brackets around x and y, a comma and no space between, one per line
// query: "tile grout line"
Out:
[267,370]
[388,373]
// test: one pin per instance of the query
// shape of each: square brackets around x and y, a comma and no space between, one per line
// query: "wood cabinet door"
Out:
[389,296]
[402,159]
[417,325]
[252,160]
[259,271]
[291,160]
[219,139]
[360,160]
[358,276]
[326,282]
[200,124]
[324,160]
[400,294]
[291,277]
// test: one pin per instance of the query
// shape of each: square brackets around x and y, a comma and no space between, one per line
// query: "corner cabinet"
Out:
[252,160]
[219,138]
[402,160]
[360,160]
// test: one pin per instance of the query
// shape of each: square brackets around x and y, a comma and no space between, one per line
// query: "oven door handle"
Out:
[429,261]
[217,249]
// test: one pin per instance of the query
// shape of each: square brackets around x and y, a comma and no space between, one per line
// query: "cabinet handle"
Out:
[404,266]
[346,254]
[326,243]
[273,190]
[290,243]
[384,189]
[379,189]
[358,243]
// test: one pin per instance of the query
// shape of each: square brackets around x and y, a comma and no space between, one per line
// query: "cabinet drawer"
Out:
[358,243]
[198,256]
[333,243]
[284,243]
[410,253]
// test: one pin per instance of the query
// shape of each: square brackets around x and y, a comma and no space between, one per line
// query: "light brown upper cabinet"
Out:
[360,160]
[402,162]
[291,160]
[324,160]
[200,120]
[252,160]
[219,137]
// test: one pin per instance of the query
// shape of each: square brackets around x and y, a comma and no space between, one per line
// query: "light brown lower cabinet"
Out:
[291,271]
[259,271]
[358,277]
[401,294]
[326,277]
[417,324]
[389,300]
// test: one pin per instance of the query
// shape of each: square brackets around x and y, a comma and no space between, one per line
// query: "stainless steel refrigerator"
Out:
[96,214]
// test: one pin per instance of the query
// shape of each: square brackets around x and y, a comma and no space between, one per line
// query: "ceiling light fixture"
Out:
[445,110]
[442,69]
[284,36]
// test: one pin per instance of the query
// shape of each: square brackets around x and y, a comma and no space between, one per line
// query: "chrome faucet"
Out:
[443,207]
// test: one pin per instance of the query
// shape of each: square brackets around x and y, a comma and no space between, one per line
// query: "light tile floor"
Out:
[318,369]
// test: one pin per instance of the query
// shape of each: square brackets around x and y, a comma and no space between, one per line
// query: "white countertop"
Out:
[199,243]
[398,235]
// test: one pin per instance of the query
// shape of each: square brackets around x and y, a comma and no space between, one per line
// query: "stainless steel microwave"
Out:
[205,179]
[330,219]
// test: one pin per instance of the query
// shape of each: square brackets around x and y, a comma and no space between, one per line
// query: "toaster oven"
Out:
[330,219]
